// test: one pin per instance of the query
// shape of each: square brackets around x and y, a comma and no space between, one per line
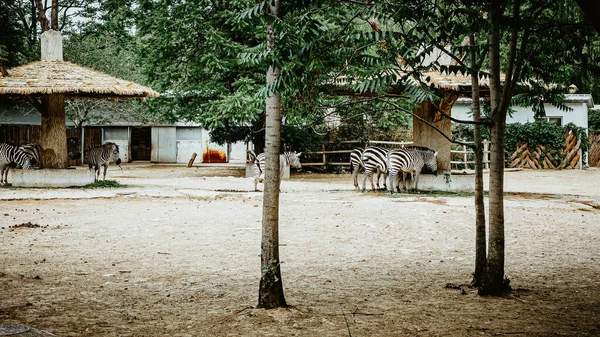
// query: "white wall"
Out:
[119,136]
[578,115]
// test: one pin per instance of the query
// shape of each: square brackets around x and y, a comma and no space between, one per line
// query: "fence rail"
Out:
[324,152]
[467,157]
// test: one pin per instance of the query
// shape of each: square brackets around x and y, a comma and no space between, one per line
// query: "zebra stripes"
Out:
[33,150]
[410,160]
[356,164]
[102,156]
[374,159]
[285,160]
[11,155]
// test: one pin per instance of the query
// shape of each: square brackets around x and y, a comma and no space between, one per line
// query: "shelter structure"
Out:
[47,83]
[427,114]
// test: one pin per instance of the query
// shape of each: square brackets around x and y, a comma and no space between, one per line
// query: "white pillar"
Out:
[52,48]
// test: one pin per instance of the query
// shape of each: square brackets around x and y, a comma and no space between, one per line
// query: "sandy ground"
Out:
[176,253]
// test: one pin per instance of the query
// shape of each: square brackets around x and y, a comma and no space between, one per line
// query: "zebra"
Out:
[33,150]
[356,164]
[101,156]
[374,159]
[285,160]
[9,155]
[409,160]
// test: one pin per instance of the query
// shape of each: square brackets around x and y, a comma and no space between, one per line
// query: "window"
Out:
[551,119]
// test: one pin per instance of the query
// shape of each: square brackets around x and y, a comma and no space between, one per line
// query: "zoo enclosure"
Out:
[462,156]
[341,157]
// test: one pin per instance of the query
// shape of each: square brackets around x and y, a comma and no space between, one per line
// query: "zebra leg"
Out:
[364,180]
[256,178]
[404,178]
[390,186]
[355,176]
[417,174]
[2,178]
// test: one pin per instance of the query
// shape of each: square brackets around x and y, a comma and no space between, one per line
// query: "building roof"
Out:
[569,98]
[49,77]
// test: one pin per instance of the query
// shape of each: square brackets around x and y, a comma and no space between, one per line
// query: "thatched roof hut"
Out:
[56,77]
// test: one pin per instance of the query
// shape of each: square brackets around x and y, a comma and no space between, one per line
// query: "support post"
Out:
[424,135]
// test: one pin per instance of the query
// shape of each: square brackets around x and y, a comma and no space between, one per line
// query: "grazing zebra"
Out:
[374,159]
[101,156]
[356,164]
[33,150]
[285,160]
[410,160]
[11,155]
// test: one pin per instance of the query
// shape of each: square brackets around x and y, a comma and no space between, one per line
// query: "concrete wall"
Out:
[52,177]
[164,144]
[119,136]
[237,152]
[189,141]
[424,135]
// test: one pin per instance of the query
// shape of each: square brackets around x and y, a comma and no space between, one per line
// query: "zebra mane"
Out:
[420,148]
[109,144]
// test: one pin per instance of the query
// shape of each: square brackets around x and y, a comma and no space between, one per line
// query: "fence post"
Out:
[486,154]
[324,158]
[465,157]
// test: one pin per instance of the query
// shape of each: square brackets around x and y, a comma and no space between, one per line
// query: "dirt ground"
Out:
[176,253]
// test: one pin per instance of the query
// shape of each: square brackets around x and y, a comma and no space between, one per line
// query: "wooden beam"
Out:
[39,106]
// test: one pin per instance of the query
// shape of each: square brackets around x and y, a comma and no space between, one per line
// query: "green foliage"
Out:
[105,184]
[543,133]
[17,40]
[594,120]
[549,135]
[465,132]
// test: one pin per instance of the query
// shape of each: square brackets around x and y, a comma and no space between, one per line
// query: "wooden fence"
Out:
[25,134]
[594,152]
[463,157]
[342,157]
[541,158]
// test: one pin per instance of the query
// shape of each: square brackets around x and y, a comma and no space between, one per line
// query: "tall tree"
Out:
[270,294]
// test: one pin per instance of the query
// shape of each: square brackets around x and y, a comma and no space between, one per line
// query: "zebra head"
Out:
[26,163]
[295,159]
[114,152]
[430,159]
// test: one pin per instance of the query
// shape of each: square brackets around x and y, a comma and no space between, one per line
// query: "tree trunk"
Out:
[41,15]
[270,293]
[494,283]
[54,15]
[54,134]
[480,232]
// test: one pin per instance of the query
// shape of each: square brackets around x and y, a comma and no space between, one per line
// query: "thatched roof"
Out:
[48,77]
[459,83]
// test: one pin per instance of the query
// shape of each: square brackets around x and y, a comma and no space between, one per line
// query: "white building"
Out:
[578,115]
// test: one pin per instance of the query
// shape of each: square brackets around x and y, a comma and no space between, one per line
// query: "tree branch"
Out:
[38,106]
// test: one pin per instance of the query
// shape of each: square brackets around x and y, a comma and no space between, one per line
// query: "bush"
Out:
[594,120]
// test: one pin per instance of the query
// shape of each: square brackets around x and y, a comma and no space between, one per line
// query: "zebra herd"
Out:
[26,156]
[409,161]
[396,165]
